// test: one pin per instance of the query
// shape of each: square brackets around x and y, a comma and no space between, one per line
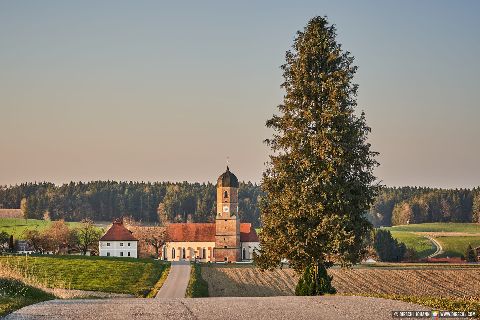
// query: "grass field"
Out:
[14,295]
[454,237]
[422,245]
[119,275]
[438,227]
[438,282]
[455,246]
[17,227]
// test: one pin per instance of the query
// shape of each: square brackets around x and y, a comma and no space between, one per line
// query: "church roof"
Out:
[205,232]
[118,232]
[227,179]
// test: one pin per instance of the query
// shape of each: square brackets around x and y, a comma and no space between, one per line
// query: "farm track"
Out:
[243,282]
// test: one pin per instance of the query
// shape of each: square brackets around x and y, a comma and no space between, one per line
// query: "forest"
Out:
[195,202]
[107,200]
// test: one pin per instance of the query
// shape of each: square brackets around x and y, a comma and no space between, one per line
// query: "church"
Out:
[226,240]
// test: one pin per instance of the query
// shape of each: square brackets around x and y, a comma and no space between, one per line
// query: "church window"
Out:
[183,253]
[244,255]
[173,253]
[204,253]
[225,195]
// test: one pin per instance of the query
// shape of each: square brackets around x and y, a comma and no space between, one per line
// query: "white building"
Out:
[118,242]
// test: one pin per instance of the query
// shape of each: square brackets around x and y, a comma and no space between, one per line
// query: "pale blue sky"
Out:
[144,90]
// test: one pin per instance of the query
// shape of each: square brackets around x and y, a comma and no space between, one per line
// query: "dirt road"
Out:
[268,308]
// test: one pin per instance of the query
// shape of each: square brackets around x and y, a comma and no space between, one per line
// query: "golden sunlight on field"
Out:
[442,282]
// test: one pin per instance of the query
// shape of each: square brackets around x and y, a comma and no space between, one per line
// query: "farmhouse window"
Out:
[121,254]
[128,253]
[108,244]
[121,244]
[108,254]
[129,244]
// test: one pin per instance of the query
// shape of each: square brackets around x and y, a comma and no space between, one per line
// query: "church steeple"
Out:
[227,224]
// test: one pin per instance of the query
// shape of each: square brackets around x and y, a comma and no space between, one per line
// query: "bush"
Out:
[307,286]
[388,249]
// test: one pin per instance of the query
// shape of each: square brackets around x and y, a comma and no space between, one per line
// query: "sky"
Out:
[167,91]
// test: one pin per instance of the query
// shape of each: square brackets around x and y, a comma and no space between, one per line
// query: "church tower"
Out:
[227,223]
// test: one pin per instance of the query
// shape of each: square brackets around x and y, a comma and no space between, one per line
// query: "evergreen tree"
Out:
[470,254]
[319,181]
[388,249]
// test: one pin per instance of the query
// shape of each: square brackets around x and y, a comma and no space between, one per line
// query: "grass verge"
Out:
[14,295]
[160,282]
[197,286]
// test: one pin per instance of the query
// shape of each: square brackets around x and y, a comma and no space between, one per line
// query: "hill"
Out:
[453,237]
[17,227]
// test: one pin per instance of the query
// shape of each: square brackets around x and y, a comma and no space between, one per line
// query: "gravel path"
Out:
[268,308]
[437,244]
[177,281]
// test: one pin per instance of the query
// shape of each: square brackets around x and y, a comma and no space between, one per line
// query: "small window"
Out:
[121,244]
[108,244]
[226,259]
[121,254]
[225,195]
[204,253]
[183,253]
[225,247]
[128,253]
[129,244]
[108,254]
[173,253]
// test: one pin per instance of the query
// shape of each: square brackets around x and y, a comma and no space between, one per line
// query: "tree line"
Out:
[396,206]
[107,200]
[195,202]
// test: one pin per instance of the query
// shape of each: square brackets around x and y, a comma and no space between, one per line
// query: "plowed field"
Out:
[250,281]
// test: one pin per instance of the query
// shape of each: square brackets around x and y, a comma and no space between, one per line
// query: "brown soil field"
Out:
[251,282]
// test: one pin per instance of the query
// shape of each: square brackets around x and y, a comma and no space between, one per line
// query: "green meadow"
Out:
[119,275]
[17,227]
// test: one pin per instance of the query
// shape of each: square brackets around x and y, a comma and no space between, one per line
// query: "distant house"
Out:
[118,241]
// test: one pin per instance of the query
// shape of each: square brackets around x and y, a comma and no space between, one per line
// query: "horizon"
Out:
[157,92]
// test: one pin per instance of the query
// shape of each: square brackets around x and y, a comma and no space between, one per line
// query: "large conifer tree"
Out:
[319,181]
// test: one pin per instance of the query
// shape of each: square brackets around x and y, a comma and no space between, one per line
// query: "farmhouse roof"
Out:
[205,232]
[118,232]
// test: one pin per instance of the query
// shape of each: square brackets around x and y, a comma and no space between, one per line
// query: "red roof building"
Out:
[118,232]
[205,232]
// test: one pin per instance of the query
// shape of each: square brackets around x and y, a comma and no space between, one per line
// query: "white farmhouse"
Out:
[118,242]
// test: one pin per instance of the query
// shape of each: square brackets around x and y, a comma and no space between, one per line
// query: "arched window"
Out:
[244,254]
[225,195]
[173,253]
[183,253]
[204,253]
[165,253]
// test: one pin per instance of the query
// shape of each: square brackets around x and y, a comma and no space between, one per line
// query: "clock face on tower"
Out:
[225,208]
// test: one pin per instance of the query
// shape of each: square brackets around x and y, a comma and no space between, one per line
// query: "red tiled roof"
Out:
[191,232]
[247,233]
[118,232]
[205,232]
